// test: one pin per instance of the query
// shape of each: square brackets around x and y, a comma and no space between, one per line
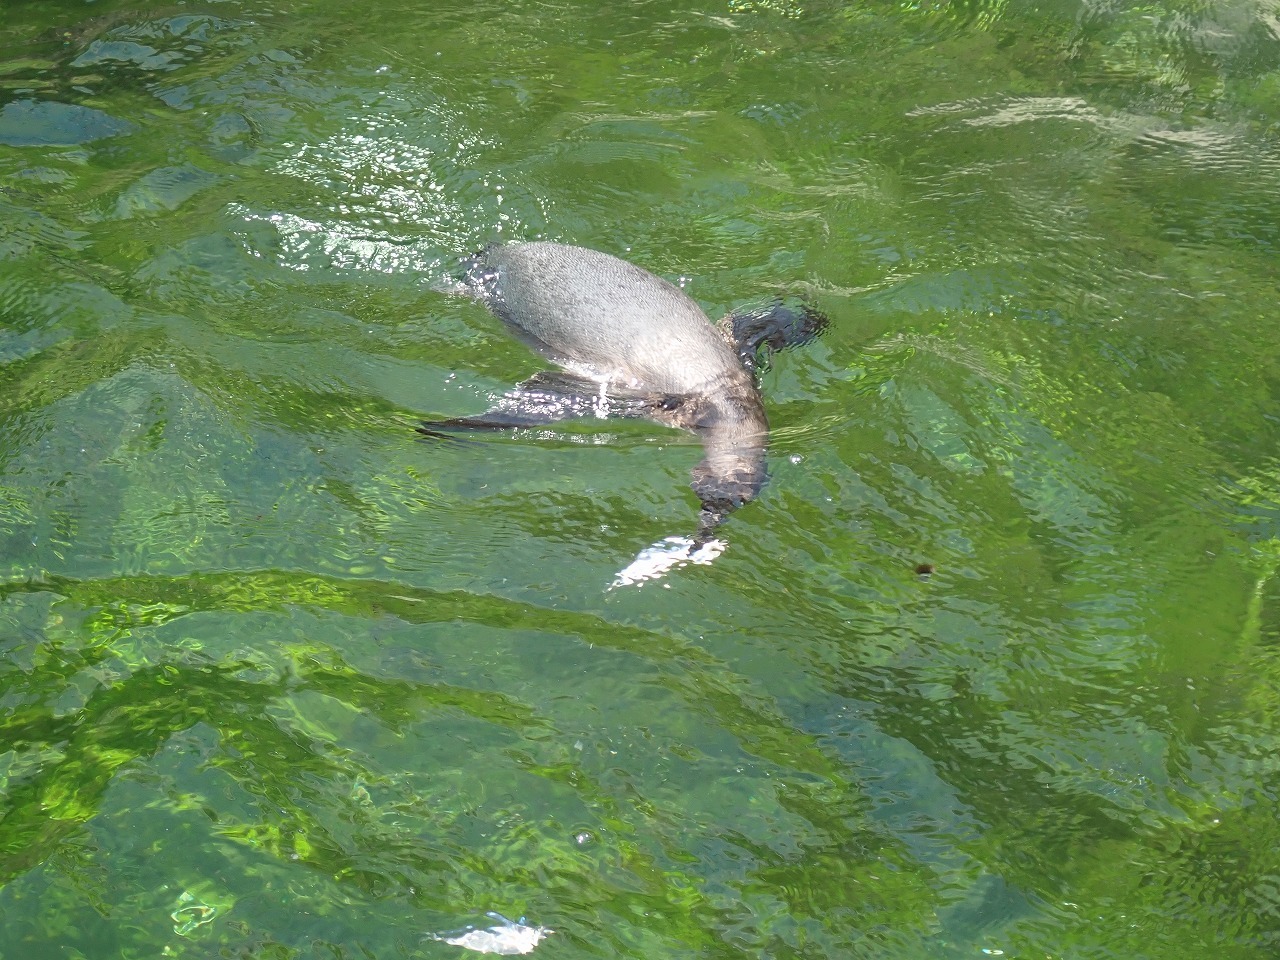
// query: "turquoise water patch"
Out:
[47,123]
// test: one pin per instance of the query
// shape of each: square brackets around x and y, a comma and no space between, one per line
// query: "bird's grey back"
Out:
[591,309]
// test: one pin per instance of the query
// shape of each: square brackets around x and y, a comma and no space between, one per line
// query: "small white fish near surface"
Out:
[656,561]
[506,938]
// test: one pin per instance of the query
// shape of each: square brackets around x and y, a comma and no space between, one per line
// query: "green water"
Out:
[278,681]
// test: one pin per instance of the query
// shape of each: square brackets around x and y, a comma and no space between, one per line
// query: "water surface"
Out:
[278,681]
